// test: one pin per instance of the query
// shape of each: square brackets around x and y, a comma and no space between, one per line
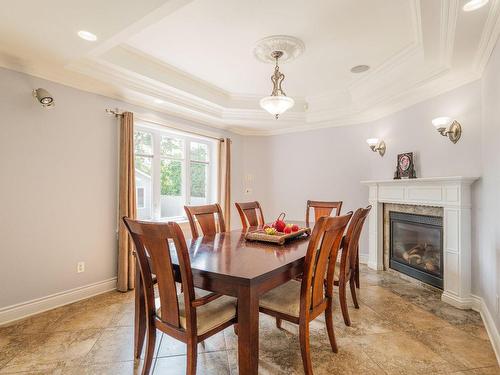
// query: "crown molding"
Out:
[489,37]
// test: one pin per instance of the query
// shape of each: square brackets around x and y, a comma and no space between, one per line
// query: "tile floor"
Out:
[401,328]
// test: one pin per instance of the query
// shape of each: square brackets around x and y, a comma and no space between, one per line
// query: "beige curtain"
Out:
[126,203]
[225,179]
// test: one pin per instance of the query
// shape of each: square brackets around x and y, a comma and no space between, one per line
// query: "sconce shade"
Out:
[372,141]
[441,122]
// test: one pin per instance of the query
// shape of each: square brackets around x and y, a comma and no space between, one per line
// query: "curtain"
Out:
[126,203]
[225,179]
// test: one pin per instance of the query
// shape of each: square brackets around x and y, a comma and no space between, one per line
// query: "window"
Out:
[140,198]
[173,169]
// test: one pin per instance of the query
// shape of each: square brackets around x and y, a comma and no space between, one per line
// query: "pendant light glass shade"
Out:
[277,104]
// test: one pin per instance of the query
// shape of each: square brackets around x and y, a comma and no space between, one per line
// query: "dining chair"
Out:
[322,208]
[300,302]
[250,214]
[348,269]
[191,316]
[209,217]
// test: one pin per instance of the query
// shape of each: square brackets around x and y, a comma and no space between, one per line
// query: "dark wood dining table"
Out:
[228,264]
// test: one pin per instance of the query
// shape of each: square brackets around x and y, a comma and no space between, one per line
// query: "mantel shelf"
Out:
[461,179]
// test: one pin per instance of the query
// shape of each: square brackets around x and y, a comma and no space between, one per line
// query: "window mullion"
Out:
[187,169]
[156,177]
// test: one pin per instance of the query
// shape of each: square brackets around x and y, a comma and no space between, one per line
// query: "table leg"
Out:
[139,315]
[248,330]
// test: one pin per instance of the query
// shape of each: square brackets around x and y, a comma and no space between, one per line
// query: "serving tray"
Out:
[279,238]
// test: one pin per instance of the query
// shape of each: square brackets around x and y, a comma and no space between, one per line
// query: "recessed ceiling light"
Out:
[359,68]
[159,101]
[87,35]
[474,4]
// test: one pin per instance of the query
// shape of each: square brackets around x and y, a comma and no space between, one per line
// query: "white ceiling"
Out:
[198,55]
[218,37]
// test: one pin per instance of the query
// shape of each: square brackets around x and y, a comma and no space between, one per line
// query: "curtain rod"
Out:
[116,112]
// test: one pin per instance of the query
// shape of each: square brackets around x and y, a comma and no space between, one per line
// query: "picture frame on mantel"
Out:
[405,167]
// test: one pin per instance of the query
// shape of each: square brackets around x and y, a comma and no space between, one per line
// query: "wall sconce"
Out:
[448,127]
[44,97]
[376,146]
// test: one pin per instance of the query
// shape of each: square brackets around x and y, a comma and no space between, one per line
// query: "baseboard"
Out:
[363,258]
[471,302]
[490,326]
[374,266]
[23,310]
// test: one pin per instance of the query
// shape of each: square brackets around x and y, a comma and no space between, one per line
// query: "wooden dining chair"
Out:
[300,302]
[209,217]
[250,214]
[322,209]
[191,316]
[347,270]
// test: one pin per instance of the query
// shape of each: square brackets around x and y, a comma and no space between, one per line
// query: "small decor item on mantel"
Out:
[279,232]
[405,167]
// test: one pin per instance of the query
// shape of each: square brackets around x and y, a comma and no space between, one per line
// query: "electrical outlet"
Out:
[248,191]
[80,267]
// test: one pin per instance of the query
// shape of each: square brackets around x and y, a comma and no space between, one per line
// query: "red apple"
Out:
[295,228]
[279,225]
[287,230]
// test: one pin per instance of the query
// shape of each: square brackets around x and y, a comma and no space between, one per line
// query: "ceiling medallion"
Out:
[289,46]
[271,49]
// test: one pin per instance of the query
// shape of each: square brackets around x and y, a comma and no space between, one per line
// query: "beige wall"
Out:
[487,236]
[58,188]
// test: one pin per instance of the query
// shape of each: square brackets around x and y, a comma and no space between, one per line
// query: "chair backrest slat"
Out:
[250,214]
[209,217]
[324,244]
[322,208]
[152,247]
[351,241]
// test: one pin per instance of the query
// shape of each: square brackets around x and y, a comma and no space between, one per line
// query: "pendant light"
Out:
[277,103]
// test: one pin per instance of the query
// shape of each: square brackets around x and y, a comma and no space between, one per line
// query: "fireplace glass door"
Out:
[417,246]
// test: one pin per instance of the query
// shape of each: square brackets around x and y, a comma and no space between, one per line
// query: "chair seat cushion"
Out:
[210,315]
[284,299]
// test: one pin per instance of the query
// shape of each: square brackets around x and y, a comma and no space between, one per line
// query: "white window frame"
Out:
[157,132]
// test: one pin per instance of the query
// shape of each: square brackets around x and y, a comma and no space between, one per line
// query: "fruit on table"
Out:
[270,230]
[287,230]
[295,228]
[280,224]
[266,226]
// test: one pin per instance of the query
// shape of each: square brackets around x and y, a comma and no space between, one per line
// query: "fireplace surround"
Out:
[453,196]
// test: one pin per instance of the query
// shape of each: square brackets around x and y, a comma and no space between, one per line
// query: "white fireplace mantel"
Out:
[451,193]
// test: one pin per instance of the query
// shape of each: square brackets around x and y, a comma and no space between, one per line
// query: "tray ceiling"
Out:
[197,56]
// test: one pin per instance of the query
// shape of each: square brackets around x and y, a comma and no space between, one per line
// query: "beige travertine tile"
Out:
[170,346]
[115,368]
[42,351]
[87,316]
[399,353]
[213,363]
[364,321]
[458,347]
[494,370]
[116,344]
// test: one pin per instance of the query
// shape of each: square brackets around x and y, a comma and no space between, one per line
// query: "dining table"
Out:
[228,264]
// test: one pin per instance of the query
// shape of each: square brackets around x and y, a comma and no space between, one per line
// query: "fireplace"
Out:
[416,246]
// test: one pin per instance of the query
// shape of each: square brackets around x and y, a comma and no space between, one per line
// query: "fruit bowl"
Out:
[278,237]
